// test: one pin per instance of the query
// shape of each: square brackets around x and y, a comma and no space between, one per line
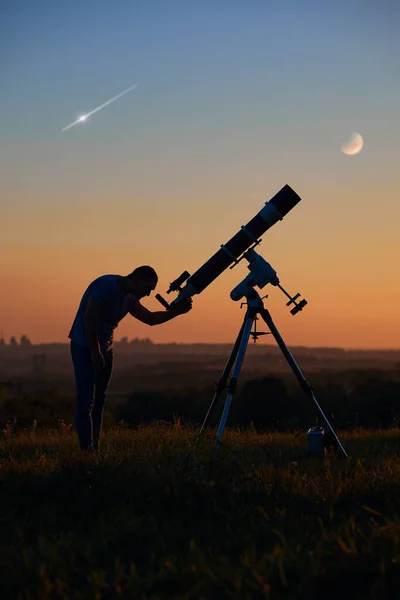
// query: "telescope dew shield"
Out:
[273,211]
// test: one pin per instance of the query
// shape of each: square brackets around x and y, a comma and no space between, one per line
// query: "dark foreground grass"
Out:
[153,519]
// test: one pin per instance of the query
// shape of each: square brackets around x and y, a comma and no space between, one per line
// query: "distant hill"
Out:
[54,359]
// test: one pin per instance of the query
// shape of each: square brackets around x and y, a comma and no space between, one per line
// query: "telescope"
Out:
[240,246]
[233,251]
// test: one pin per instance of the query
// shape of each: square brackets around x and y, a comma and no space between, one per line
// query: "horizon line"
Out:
[173,343]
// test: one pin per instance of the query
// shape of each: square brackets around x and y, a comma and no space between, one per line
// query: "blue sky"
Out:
[235,100]
[221,83]
[204,62]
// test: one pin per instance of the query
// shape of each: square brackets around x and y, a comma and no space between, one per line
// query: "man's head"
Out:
[141,282]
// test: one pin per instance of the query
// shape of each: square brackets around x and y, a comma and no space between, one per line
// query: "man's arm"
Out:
[91,321]
[141,313]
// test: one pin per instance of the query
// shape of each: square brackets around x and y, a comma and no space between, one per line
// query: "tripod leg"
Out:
[235,375]
[305,386]
[223,379]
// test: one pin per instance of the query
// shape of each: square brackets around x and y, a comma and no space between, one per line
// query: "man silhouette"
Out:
[106,301]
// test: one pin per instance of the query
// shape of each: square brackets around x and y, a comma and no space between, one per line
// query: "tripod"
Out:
[255,306]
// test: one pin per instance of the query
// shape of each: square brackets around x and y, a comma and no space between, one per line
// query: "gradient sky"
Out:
[236,99]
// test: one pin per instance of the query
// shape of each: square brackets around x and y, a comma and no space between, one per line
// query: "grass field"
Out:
[151,518]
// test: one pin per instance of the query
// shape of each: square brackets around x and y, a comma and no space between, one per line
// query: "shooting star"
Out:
[85,117]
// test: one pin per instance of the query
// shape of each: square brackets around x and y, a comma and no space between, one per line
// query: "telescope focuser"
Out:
[176,285]
[173,287]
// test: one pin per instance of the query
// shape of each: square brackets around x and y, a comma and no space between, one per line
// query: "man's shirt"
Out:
[107,290]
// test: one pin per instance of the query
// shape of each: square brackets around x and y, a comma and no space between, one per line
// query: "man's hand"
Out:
[183,307]
[97,359]
[161,316]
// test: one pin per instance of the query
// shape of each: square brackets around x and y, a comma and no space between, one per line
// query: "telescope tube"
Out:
[274,210]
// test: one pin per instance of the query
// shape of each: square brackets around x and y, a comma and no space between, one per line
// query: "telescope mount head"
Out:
[261,273]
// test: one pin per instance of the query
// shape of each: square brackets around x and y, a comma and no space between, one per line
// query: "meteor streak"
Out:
[85,117]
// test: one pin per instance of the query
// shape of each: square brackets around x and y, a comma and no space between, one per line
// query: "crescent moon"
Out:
[354,145]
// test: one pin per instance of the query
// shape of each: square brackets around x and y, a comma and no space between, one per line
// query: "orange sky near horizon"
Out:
[339,258]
